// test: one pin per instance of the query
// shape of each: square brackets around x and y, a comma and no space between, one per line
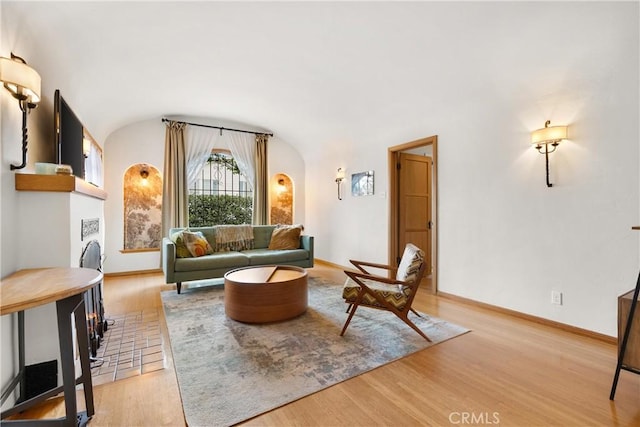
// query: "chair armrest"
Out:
[355,275]
[361,264]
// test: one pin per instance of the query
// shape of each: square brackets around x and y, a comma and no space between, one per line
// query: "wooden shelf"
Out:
[58,183]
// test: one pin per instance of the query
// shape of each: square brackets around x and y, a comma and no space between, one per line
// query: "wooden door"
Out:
[414,202]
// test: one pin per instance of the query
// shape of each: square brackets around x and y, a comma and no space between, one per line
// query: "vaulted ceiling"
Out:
[314,73]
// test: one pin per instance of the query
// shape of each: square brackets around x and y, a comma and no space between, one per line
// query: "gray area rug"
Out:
[229,371]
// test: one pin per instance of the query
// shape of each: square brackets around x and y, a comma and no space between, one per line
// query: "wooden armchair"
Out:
[395,295]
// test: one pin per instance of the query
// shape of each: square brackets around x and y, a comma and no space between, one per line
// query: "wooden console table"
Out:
[627,347]
[31,288]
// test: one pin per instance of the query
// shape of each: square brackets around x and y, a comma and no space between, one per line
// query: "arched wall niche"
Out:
[142,190]
[281,199]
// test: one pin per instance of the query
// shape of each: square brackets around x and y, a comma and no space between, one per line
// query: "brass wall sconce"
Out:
[23,82]
[339,179]
[144,175]
[548,135]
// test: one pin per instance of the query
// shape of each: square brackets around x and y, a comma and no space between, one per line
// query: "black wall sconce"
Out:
[548,135]
[23,82]
[339,179]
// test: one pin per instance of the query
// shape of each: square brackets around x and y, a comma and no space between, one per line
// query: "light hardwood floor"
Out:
[507,371]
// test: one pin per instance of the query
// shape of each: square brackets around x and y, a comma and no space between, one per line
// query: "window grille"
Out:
[221,194]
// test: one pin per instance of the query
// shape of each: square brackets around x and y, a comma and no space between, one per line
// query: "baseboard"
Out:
[573,329]
[329,264]
[129,273]
[540,320]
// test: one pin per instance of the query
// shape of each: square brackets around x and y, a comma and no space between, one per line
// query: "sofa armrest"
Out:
[168,256]
[306,242]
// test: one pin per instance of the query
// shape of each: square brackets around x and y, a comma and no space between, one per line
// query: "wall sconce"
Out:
[281,188]
[23,82]
[339,179]
[548,135]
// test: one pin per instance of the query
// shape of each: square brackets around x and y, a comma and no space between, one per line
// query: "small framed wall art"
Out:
[362,184]
[89,227]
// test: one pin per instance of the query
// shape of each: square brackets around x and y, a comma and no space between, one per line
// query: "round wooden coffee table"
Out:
[265,294]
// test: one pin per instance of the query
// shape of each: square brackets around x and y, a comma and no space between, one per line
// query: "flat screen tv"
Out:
[69,135]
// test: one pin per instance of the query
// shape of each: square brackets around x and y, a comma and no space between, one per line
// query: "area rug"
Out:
[229,371]
[132,345]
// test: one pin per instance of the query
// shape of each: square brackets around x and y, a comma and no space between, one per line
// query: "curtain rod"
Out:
[217,127]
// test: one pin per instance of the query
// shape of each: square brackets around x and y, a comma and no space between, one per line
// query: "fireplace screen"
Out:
[96,323]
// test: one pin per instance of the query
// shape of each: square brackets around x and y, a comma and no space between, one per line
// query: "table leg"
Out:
[85,360]
[65,308]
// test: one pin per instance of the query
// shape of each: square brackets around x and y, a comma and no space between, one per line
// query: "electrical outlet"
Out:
[556,297]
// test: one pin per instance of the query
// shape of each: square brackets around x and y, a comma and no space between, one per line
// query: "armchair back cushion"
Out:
[410,264]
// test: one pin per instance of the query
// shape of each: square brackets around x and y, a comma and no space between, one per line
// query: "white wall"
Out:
[504,237]
[143,142]
[10,219]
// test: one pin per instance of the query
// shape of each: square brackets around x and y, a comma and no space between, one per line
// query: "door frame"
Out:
[393,156]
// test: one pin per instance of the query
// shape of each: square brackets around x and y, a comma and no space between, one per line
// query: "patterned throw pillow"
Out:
[196,243]
[285,237]
[181,248]
[412,260]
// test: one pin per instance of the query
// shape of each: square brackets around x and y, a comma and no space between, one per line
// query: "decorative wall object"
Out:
[142,207]
[281,200]
[362,184]
[90,226]
[543,138]
[339,178]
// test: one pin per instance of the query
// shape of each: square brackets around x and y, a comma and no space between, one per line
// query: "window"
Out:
[220,195]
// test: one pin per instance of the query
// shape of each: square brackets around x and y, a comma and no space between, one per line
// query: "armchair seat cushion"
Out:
[395,295]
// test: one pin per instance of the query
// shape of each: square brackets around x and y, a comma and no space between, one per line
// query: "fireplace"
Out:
[96,322]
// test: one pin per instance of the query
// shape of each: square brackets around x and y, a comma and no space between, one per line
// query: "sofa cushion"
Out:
[262,235]
[211,262]
[267,256]
[285,237]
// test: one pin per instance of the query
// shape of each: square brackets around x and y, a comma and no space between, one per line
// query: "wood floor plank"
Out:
[507,371]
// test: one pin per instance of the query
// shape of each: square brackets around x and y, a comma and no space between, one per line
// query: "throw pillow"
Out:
[285,237]
[410,264]
[181,248]
[196,243]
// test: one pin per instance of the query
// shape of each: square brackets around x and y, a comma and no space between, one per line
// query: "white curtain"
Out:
[93,166]
[243,150]
[199,142]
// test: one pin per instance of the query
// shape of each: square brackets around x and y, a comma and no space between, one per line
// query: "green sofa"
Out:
[177,270]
